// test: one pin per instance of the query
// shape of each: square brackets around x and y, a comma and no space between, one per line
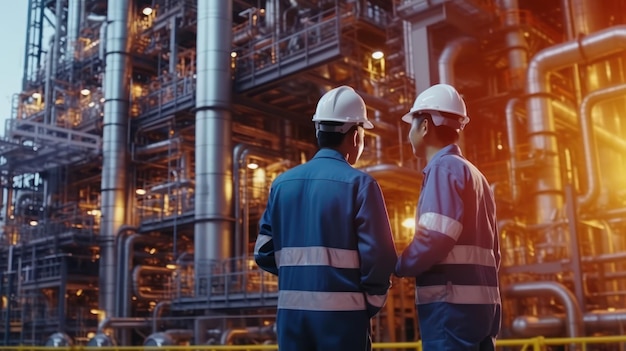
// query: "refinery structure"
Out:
[138,156]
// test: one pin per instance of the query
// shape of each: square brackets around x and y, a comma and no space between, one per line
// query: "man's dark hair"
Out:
[445,134]
[331,139]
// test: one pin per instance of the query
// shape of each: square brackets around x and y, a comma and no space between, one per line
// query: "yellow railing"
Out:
[534,344]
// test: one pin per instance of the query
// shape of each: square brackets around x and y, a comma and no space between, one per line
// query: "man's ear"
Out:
[425,126]
[355,137]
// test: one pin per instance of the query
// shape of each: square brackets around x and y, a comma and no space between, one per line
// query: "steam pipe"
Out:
[516,44]
[213,194]
[241,153]
[409,177]
[592,166]
[553,325]
[122,323]
[511,130]
[573,312]
[229,335]
[450,54]
[138,271]
[124,232]
[156,313]
[75,8]
[114,153]
[541,122]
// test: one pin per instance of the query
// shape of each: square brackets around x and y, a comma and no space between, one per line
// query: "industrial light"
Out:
[409,223]
[85,92]
[377,55]
[233,54]
[79,292]
[33,223]
[36,96]
[170,266]
[253,165]
[94,311]
[147,11]
[140,191]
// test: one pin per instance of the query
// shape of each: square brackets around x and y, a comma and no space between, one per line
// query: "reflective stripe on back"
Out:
[317,256]
[470,254]
[458,294]
[321,300]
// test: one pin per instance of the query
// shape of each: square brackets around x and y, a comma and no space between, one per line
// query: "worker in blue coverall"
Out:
[326,234]
[454,255]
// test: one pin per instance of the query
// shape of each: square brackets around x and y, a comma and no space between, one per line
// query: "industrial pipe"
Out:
[592,166]
[213,129]
[114,150]
[574,327]
[541,122]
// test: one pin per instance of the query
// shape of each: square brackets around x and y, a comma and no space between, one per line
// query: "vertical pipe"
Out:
[548,191]
[213,194]
[74,19]
[114,152]
[516,45]
[173,47]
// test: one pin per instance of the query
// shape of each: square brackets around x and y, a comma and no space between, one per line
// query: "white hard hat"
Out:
[344,105]
[440,98]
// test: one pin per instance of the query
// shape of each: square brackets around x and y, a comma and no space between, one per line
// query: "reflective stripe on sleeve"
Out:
[442,224]
[261,240]
[376,300]
[318,256]
[459,294]
[321,300]
[469,254]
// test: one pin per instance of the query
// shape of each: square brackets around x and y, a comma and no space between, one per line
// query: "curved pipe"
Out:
[541,122]
[589,143]
[241,152]
[554,325]
[122,234]
[407,177]
[229,335]
[138,271]
[573,312]
[449,55]
[156,313]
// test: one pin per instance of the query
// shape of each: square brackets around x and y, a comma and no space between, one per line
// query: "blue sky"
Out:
[12,41]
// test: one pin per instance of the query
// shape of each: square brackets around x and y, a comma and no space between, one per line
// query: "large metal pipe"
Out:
[548,190]
[122,234]
[114,152]
[511,129]
[574,327]
[449,56]
[241,153]
[213,194]
[150,293]
[592,166]
[516,44]
[554,325]
[74,18]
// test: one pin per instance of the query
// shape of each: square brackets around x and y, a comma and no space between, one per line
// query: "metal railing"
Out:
[535,344]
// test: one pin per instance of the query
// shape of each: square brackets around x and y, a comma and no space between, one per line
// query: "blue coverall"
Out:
[326,233]
[455,256]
